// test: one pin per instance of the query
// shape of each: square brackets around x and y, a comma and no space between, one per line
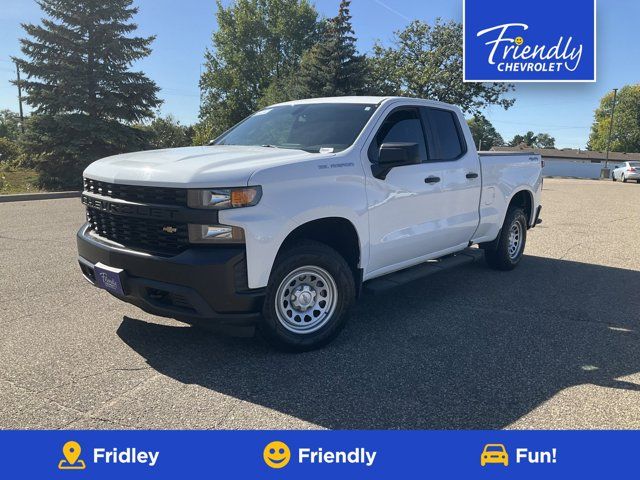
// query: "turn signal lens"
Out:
[223,198]
[243,197]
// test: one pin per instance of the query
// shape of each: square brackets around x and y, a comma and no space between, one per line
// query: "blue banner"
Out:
[318,454]
[535,41]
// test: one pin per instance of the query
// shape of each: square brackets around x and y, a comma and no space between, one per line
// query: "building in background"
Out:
[569,162]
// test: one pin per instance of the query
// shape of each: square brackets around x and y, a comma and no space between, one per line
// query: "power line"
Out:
[547,125]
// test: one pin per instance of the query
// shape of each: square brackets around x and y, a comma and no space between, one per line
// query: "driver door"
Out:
[403,207]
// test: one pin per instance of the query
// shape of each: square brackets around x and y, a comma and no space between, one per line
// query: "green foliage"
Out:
[426,61]
[166,132]
[81,88]
[545,141]
[17,180]
[63,145]
[529,139]
[9,125]
[484,133]
[333,67]
[625,136]
[257,42]
[9,150]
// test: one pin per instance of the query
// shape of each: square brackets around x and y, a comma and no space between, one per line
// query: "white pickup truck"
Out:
[283,219]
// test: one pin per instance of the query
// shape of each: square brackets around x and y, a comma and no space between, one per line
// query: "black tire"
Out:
[497,253]
[300,256]
[613,177]
[624,180]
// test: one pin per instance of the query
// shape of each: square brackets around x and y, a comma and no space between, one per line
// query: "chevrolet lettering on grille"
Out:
[129,209]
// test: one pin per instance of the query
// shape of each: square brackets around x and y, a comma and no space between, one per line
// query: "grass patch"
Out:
[17,180]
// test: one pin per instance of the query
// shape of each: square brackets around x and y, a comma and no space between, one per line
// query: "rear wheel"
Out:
[309,293]
[506,251]
[624,179]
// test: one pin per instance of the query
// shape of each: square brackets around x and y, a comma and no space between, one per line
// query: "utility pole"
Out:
[613,111]
[20,98]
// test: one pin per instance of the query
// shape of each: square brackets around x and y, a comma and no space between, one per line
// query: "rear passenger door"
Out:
[458,167]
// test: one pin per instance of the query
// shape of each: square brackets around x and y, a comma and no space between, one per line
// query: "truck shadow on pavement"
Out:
[468,349]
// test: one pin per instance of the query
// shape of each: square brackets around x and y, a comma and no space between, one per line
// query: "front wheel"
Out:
[309,294]
[506,251]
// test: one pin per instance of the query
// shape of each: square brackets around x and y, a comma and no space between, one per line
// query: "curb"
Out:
[26,197]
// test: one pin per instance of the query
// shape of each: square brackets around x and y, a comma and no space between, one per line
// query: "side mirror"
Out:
[396,154]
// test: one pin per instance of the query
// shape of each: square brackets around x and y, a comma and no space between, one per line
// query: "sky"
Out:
[183,33]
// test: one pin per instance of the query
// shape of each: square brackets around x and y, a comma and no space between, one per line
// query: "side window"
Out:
[445,137]
[402,125]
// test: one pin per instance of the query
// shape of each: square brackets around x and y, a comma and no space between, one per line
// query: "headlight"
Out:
[215,234]
[222,198]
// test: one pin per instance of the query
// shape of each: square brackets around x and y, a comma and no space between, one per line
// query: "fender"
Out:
[319,194]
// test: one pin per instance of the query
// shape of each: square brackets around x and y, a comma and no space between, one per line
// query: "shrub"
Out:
[9,150]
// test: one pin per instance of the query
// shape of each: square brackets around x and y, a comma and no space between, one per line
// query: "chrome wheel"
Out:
[515,240]
[306,299]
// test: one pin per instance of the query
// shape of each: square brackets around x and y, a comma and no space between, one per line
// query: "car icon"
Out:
[494,453]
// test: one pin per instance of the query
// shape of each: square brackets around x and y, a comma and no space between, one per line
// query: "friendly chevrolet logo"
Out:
[169,229]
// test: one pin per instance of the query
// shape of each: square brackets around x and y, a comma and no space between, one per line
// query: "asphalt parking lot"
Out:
[553,344]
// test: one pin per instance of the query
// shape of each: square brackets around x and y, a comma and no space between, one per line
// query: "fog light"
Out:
[215,234]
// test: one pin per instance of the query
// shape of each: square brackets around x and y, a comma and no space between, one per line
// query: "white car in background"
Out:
[626,171]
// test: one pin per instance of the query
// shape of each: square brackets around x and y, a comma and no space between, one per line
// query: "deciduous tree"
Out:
[426,61]
[167,132]
[257,42]
[9,125]
[625,136]
[529,139]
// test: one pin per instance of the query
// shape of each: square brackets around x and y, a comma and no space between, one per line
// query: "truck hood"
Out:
[192,167]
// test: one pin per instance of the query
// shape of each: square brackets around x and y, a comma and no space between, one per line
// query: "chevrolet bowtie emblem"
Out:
[169,229]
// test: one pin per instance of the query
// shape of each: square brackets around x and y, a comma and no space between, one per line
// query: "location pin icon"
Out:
[71,451]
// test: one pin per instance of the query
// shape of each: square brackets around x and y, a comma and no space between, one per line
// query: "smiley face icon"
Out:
[519,41]
[276,454]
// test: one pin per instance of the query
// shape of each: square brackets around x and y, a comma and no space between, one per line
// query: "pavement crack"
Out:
[90,375]
[564,255]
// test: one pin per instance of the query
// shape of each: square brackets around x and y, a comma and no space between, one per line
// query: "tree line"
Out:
[87,102]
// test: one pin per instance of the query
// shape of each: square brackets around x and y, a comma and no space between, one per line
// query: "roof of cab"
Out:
[352,99]
[366,100]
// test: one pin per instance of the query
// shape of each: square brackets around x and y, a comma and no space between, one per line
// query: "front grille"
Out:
[139,233]
[138,194]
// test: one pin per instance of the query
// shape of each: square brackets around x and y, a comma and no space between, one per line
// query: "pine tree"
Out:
[84,96]
[333,66]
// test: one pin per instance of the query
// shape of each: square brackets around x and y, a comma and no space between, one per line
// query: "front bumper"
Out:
[201,285]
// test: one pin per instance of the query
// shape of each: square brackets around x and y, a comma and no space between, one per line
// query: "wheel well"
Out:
[338,233]
[523,199]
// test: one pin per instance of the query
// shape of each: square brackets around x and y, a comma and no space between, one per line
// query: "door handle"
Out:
[472,175]
[432,180]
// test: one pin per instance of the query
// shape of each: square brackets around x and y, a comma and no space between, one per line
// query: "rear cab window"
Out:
[444,134]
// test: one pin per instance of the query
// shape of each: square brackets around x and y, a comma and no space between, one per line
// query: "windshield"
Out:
[493,448]
[634,164]
[316,127]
